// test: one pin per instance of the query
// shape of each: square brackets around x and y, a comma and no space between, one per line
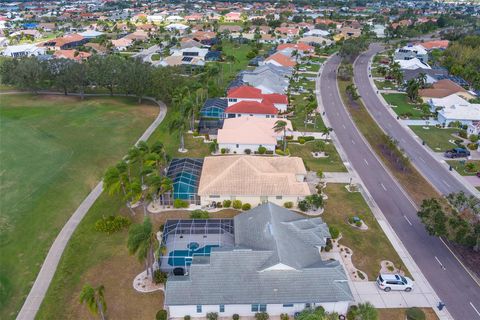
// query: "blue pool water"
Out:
[181,258]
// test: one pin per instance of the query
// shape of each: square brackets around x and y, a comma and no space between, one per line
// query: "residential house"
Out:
[316,41]
[444,88]
[434,44]
[269,78]
[195,17]
[431,74]
[155,18]
[249,133]
[23,50]
[138,35]
[121,44]
[251,94]
[316,33]
[72,55]
[412,64]
[454,108]
[233,17]
[264,260]
[280,60]
[91,34]
[253,179]
[69,41]
[177,27]
[301,48]
[31,33]
[263,109]
[411,52]
[47,26]
[214,108]
[174,18]
[230,29]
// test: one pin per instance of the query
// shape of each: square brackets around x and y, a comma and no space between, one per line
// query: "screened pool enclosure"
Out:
[185,176]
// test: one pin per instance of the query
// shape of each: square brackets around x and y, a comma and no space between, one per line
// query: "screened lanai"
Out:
[185,175]
[185,239]
[214,108]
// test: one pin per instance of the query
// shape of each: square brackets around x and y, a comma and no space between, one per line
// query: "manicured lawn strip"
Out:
[402,106]
[376,73]
[399,314]
[298,120]
[416,186]
[436,138]
[54,149]
[369,247]
[459,166]
[331,164]
[382,85]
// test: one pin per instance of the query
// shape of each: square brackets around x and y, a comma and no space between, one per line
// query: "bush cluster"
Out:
[262,150]
[311,202]
[334,232]
[288,204]
[227,203]
[112,224]
[415,314]
[179,203]
[199,214]
[237,204]
[159,276]
[246,206]
[161,315]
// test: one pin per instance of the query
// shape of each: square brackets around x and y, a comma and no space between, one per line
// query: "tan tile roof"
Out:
[252,176]
[250,130]
[441,88]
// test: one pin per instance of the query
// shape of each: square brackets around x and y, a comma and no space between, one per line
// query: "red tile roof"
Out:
[297,46]
[245,92]
[253,107]
[435,44]
[282,59]
[276,98]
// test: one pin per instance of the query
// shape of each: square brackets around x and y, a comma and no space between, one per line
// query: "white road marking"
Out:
[471,304]
[344,126]
[439,263]
[407,220]
[383,187]
[365,161]
[353,142]
[446,183]
[338,114]
[422,159]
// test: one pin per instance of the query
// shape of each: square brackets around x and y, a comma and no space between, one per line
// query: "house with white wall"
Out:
[273,266]
[409,52]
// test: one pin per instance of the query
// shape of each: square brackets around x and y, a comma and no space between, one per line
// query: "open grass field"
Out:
[54,149]
[298,119]
[436,138]
[382,85]
[399,314]
[369,247]
[331,164]
[402,106]
[416,186]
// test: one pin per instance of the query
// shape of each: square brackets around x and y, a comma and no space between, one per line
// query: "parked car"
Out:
[478,174]
[457,153]
[388,282]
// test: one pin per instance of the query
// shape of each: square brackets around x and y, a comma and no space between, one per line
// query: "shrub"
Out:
[227,203]
[318,146]
[261,316]
[269,152]
[262,150]
[284,316]
[219,204]
[212,316]
[351,220]
[351,313]
[301,140]
[279,152]
[212,147]
[415,314]
[246,206]
[334,232]
[360,275]
[288,204]
[472,146]
[458,142]
[159,276]
[199,214]
[473,138]
[328,245]
[195,133]
[187,317]
[179,203]
[235,316]
[303,205]
[161,315]
[358,223]
[289,137]
[112,224]
[248,151]
[308,138]
[223,150]
[462,134]
[237,204]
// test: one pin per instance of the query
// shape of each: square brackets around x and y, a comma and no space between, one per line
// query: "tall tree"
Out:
[29,74]
[142,242]
[281,126]
[94,298]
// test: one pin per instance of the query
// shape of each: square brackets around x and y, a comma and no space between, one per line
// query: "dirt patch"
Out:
[399,314]
[123,302]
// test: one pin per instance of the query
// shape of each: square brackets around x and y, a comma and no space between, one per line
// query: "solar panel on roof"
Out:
[187,59]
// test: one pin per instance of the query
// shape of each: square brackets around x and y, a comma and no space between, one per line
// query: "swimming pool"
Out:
[182,258]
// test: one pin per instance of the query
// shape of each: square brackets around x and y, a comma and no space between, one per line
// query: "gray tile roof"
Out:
[264,236]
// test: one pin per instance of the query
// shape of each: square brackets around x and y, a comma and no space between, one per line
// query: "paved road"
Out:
[44,277]
[451,282]
[434,171]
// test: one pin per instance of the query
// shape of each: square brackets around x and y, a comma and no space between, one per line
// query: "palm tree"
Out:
[95,300]
[366,311]
[116,180]
[142,242]
[326,132]
[178,123]
[281,125]
[422,79]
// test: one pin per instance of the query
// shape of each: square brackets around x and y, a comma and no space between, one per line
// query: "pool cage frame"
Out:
[189,231]
[185,174]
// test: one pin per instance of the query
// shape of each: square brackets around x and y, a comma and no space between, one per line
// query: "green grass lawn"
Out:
[459,166]
[298,119]
[436,138]
[382,85]
[369,247]
[376,73]
[402,106]
[54,149]
[331,164]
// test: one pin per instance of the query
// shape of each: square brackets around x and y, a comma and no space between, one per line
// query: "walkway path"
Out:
[45,276]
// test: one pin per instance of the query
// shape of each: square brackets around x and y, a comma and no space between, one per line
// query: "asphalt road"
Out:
[425,162]
[449,279]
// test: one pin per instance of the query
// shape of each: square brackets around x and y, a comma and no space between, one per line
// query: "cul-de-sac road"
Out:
[445,274]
